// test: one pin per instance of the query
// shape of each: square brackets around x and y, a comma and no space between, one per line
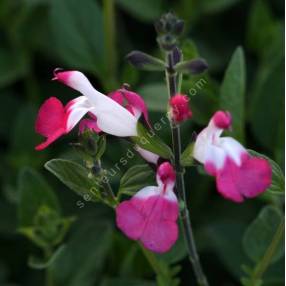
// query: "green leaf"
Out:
[101,147]
[34,194]
[269,96]
[147,139]
[40,263]
[147,10]
[136,178]
[74,176]
[187,156]
[155,96]
[260,233]
[78,34]
[225,241]
[13,66]
[85,254]
[263,28]
[278,180]
[232,92]
[203,97]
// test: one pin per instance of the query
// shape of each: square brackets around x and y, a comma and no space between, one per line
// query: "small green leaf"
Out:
[155,96]
[34,194]
[260,233]
[145,62]
[147,139]
[232,92]
[187,156]
[78,34]
[278,180]
[101,147]
[136,178]
[74,176]
[40,263]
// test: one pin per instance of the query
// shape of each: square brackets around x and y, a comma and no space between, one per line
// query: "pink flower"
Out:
[180,110]
[238,175]
[150,216]
[55,120]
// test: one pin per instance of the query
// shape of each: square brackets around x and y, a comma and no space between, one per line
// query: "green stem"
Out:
[171,79]
[266,259]
[49,281]
[110,42]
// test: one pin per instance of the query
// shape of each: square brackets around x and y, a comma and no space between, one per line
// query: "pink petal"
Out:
[51,117]
[136,101]
[249,180]
[51,121]
[88,124]
[129,220]
[222,119]
[117,96]
[152,220]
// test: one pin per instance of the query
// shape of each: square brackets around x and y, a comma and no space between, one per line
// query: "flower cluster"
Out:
[150,216]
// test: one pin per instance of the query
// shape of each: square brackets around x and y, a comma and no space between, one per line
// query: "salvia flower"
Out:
[238,175]
[107,115]
[180,109]
[150,216]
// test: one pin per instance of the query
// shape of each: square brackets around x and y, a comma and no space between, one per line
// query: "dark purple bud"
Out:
[144,61]
[196,66]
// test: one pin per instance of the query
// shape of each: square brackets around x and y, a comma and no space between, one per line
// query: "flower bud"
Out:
[180,110]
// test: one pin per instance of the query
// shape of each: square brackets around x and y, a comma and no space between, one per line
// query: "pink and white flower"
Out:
[150,216]
[238,175]
[55,120]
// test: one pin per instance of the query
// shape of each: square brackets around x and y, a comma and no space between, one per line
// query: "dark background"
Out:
[37,36]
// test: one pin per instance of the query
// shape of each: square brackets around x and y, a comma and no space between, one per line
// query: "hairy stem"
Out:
[180,184]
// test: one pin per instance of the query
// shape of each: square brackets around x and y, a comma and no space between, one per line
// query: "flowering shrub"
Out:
[149,215]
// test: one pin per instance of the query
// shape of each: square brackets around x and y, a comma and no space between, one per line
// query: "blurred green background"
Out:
[37,36]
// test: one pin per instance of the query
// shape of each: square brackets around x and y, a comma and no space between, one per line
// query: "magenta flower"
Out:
[180,110]
[150,216]
[238,175]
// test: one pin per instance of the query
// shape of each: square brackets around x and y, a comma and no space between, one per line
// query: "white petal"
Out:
[76,110]
[147,192]
[233,149]
[216,156]
[147,155]
[114,119]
